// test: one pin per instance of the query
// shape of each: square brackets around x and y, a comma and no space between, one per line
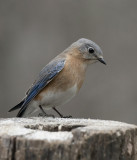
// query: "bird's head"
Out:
[88,50]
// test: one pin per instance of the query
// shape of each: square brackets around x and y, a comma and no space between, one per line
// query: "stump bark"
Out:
[66,139]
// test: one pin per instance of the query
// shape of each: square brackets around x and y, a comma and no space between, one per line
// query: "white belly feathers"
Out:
[53,99]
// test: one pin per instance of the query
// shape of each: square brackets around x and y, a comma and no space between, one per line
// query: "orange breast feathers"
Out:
[72,74]
[74,71]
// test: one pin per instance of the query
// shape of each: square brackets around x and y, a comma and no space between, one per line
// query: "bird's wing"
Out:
[46,75]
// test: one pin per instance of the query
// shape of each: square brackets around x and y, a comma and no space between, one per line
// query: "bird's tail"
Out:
[17,106]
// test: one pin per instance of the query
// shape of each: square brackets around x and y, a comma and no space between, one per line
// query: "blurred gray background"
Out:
[33,32]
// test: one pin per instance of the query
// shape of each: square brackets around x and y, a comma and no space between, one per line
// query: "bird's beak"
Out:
[101,60]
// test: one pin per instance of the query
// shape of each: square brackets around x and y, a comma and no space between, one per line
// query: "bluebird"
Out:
[61,79]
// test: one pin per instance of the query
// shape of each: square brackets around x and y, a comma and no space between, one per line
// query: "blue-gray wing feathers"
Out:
[45,76]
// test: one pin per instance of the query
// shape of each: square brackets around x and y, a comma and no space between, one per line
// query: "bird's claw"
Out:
[66,116]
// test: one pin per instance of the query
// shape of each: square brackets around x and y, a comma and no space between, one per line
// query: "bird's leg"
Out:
[44,113]
[61,114]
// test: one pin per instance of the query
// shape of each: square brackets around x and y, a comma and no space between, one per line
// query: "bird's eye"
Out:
[91,50]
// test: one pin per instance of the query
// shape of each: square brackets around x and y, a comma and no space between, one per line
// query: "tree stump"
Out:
[39,138]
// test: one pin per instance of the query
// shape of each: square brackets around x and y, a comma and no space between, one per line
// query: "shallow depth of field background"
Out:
[34,32]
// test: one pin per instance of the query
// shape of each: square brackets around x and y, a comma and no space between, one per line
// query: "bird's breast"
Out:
[65,85]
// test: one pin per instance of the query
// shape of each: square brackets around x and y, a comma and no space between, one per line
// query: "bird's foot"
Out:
[66,116]
[45,115]
[61,114]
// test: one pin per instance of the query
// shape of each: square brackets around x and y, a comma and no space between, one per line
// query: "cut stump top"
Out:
[40,138]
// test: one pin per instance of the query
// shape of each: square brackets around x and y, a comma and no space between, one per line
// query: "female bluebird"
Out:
[61,79]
